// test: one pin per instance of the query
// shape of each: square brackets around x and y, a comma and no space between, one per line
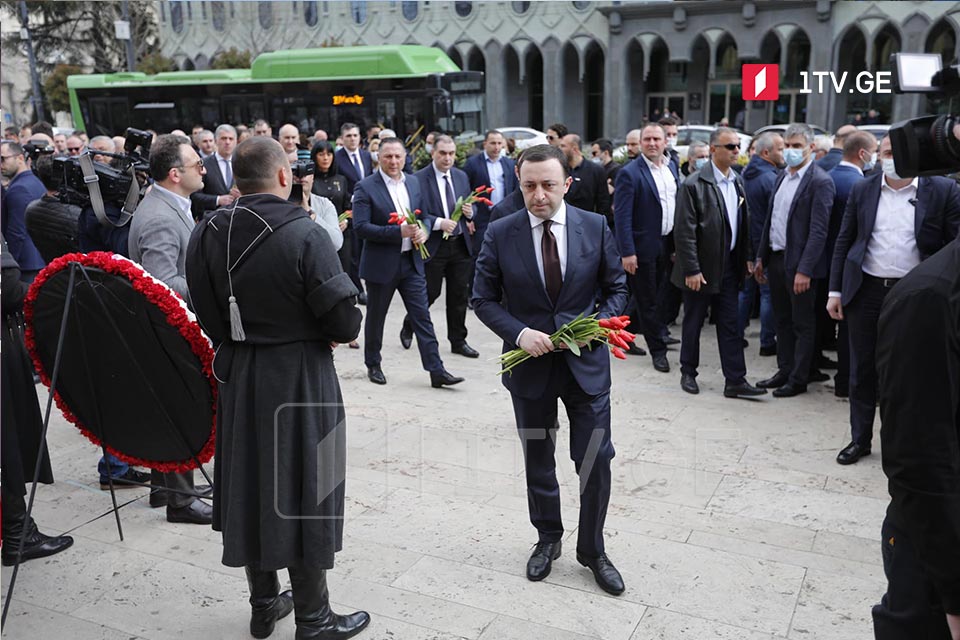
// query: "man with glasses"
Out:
[555,133]
[23,188]
[74,146]
[712,237]
[159,234]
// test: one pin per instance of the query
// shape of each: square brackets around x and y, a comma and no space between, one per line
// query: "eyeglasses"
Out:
[733,146]
[75,149]
[196,165]
[550,137]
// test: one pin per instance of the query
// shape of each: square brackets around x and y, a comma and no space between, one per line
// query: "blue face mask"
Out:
[793,157]
[871,163]
[700,163]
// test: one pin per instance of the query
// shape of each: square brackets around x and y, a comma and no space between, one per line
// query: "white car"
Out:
[524,136]
[690,133]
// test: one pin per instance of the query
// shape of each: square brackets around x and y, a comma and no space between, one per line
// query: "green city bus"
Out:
[404,87]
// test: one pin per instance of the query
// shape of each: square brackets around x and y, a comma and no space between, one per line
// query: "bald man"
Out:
[835,155]
[633,143]
[289,140]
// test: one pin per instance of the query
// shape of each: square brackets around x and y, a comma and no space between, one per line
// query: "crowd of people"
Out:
[810,247]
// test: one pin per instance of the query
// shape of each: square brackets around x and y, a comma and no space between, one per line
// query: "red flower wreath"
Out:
[177,315]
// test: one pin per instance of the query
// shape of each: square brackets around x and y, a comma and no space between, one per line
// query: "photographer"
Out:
[53,225]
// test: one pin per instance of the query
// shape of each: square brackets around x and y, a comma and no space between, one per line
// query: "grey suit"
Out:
[159,234]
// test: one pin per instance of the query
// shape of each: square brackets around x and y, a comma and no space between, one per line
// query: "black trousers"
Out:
[910,609]
[346,254]
[726,306]
[413,290]
[178,481]
[356,249]
[842,378]
[863,315]
[644,288]
[590,449]
[796,322]
[451,262]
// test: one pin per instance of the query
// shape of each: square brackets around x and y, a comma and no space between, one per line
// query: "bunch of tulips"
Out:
[477,195]
[346,215]
[411,218]
[578,333]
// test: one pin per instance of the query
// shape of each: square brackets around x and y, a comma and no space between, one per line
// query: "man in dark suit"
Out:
[490,169]
[644,199]
[391,261]
[859,155]
[791,250]
[890,225]
[440,185]
[553,262]
[835,155]
[712,237]
[589,188]
[218,187]
[353,163]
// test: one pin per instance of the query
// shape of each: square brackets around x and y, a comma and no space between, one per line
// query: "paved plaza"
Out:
[728,519]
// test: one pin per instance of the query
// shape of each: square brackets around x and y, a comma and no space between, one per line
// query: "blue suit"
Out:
[832,160]
[476,169]
[936,221]
[594,282]
[347,170]
[23,189]
[386,269]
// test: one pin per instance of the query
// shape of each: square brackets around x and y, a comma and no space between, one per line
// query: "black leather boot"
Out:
[36,544]
[315,620]
[269,605]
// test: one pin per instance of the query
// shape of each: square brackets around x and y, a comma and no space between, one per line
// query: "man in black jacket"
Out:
[712,238]
[918,362]
[589,189]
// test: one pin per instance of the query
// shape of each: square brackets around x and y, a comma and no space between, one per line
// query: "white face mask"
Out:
[596,160]
[375,156]
[428,147]
[890,169]
[871,163]
[671,142]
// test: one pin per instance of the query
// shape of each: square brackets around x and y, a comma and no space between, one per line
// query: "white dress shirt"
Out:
[667,191]
[559,230]
[442,188]
[728,189]
[401,200]
[183,203]
[892,249]
[495,172]
[782,200]
[844,163]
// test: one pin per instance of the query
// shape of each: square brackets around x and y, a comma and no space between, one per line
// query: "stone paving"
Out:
[729,520]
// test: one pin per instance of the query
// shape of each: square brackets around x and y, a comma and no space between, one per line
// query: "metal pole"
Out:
[36,99]
[131,56]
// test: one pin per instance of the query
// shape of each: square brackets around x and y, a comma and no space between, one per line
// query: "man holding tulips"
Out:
[546,268]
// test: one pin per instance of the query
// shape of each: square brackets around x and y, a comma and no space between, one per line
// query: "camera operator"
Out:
[53,225]
[105,144]
[24,187]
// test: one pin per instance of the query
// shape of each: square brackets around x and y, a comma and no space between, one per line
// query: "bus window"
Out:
[387,112]
[414,110]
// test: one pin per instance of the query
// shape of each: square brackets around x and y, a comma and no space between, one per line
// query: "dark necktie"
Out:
[228,175]
[451,201]
[552,274]
[356,165]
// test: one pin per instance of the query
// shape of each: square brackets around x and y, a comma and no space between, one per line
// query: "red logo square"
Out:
[761,81]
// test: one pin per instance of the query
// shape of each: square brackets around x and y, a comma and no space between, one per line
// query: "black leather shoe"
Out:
[841,391]
[37,545]
[443,378]
[660,363]
[789,390]
[851,453]
[160,498]
[262,623]
[774,382]
[742,390]
[823,362]
[124,481]
[465,350]
[604,573]
[634,350]
[315,619]
[406,336]
[689,384]
[197,512]
[818,376]
[768,351]
[375,373]
[541,560]
[670,341]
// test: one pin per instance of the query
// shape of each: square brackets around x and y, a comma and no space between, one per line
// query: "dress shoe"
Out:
[745,343]
[823,362]
[541,560]
[774,382]
[660,363]
[768,351]
[670,340]
[818,376]
[197,512]
[354,344]
[406,336]
[123,481]
[841,391]
[37,545]
[160,498]
[689,384]
[262,623]
[362,298]
[465,350]
[852,452]
[789,390]
[604,573]
[443,378]
[742,390]
[375,373]
[634,350]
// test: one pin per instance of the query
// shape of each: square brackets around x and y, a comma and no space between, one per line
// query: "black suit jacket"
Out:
[936,223]
[589,189]
[432,203]
[513,202]
[213,186]
[346,169]
[807,224]
[476,169]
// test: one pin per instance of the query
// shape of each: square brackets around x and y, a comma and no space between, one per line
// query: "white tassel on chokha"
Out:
[236,326]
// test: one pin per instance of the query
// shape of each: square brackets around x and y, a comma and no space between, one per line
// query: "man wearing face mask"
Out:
[759,180]
[791,249]
[670,125]
[698,155]
[889,226]
[859,156]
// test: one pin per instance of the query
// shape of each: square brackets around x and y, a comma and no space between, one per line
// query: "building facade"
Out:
[603,67]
